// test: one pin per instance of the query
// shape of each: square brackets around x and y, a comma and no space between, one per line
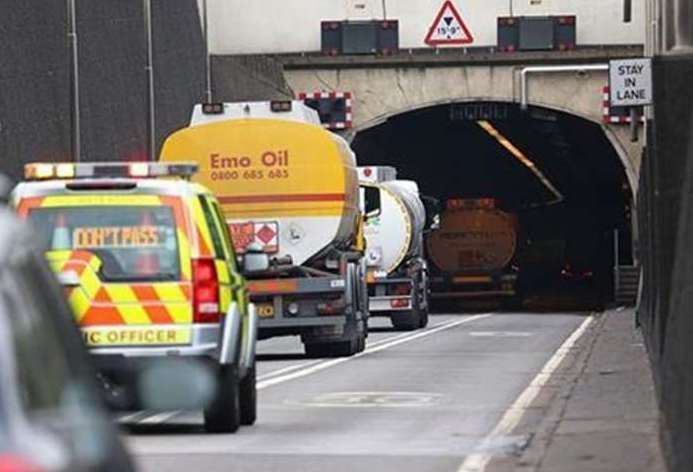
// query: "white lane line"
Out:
[478,461]
[291,368]
[284,370]
[371,350]
[150,417]
[131,417]
[158,418]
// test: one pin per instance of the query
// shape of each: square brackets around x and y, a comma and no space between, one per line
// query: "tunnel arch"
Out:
[576,154]
[625,158]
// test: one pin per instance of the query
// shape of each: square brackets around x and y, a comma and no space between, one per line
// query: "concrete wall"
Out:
[278,26]
[383,92]
[248,78]
[114,82]
[34,97]
[35,92]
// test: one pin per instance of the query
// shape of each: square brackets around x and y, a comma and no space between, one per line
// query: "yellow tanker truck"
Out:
[288,189]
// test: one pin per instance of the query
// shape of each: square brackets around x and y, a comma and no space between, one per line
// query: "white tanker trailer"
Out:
[397,271]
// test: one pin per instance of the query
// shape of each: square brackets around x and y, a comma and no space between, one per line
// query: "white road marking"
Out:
[372,400]
[307,368]
[371,350]
[284,370]
[158,418]
[130,417]
[477,462]
[370,344]
[501,334]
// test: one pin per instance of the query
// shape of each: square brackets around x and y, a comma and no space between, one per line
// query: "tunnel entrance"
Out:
[557,174]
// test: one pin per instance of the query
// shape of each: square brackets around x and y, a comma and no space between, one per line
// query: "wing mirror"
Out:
[432,206]
[371,201]
[255,259]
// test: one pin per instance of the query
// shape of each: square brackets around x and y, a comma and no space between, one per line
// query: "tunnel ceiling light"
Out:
[523,159]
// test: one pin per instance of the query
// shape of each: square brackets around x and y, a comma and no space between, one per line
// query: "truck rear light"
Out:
[213,108]
[399,303]
[206,307]
[279,106]
[333,307]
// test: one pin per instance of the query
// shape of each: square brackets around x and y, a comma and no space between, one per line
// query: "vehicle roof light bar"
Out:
[70,170]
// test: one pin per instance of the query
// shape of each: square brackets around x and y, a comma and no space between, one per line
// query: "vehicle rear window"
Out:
[133,242]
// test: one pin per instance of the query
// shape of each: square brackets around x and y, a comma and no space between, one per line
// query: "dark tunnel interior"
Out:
[573,207]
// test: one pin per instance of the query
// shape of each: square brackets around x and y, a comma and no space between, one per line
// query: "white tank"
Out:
[396,235]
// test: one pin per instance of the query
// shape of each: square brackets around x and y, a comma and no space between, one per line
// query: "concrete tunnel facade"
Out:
[381,93]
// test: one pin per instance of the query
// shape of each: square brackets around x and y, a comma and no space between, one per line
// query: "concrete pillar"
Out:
[677,26]
[667,190]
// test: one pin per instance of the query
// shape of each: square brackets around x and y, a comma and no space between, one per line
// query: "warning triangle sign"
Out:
[448,28]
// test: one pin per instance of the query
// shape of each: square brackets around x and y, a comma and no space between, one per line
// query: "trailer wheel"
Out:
[248,398]
[423,318]
[406,320]
[224,414]
[332,349]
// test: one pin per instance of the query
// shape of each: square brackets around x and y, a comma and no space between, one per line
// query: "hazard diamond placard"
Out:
[448,28]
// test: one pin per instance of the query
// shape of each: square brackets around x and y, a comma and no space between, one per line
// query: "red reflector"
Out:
[206,307]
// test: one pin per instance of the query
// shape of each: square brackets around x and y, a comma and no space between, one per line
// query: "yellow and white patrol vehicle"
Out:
[150,272]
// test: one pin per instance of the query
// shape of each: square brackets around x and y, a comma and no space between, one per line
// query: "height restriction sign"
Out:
[448,28]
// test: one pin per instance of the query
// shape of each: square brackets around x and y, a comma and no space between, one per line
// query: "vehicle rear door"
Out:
[125,263]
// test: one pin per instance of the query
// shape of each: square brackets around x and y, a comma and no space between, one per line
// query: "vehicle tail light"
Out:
[206,307]
[399,303]
[12,463]
[332,307]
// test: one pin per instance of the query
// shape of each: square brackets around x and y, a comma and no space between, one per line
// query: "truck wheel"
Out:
[423,318]
[248,398]
[315,350]
[361,343]
[333,349]
[223,415]
[406,320]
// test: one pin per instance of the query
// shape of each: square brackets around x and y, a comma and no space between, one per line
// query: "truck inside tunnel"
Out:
[557,174]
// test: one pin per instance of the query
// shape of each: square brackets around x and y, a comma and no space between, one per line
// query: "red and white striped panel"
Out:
[607,117]
[348,101]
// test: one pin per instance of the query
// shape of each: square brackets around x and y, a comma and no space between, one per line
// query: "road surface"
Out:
[419,401]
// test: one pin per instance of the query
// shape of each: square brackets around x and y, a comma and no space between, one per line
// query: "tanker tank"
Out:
[288,189]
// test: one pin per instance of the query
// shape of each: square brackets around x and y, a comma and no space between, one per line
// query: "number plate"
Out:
[265,310]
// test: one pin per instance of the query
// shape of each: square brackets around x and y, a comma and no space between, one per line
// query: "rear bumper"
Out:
[230,342]
[294,302]
[380,302]
[474,286]
[205,343]
[378,305]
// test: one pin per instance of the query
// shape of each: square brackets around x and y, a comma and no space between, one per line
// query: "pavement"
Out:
[495,392]
[599,411]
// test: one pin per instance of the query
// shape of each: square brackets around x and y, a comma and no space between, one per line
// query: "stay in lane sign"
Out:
[630,82]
